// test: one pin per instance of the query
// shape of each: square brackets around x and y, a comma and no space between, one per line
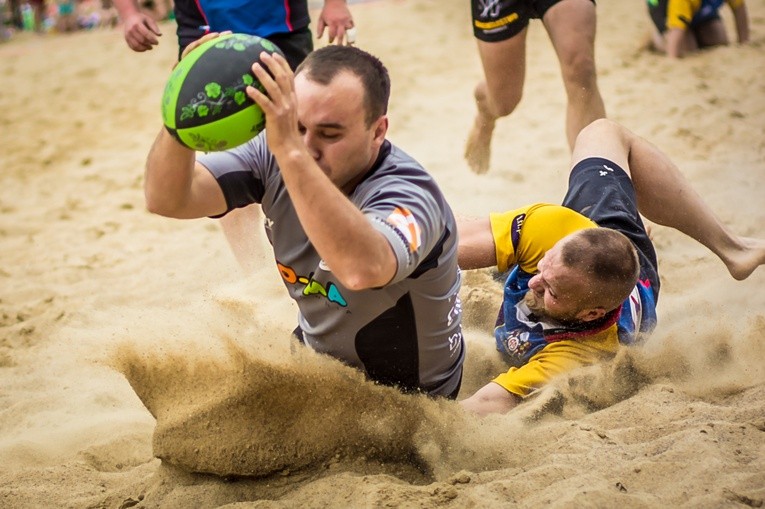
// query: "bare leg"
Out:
[478,146]
[504,66]
[241,229]
[657,42]
[571,26]
[666,197]
[712,33]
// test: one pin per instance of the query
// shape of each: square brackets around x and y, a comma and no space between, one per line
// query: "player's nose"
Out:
[535,283]
[311,145]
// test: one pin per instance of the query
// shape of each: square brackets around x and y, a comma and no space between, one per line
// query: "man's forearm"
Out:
[492,398]
[673,40]
[742,23]
[357,254]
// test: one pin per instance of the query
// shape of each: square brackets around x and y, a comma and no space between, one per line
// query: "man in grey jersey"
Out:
[362,236]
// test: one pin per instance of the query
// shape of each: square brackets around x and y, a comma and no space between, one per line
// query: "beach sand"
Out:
[127,337]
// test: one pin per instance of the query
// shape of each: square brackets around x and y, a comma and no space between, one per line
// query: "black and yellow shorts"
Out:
[499,20]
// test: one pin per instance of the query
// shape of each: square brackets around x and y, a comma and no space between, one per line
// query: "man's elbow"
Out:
[364,278]
[157,203]
[366,272]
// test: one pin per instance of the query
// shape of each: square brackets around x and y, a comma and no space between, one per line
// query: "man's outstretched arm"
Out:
[476,243]
[492,398]
[741,15]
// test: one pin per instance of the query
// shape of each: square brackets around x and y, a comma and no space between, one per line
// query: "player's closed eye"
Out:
[330,135]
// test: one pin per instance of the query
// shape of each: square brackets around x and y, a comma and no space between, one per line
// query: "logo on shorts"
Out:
[455,312]
[489,8]
[604,173]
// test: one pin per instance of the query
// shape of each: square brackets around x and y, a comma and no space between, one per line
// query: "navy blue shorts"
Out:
[602,191]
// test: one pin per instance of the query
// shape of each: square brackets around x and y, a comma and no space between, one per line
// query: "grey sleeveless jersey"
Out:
[406,334]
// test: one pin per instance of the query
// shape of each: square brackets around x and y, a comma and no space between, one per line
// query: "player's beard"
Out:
[535,305]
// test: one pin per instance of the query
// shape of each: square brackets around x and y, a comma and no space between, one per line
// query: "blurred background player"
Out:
[683,26]
[500,27]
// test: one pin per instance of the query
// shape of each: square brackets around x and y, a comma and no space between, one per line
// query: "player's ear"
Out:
[381,128]
[590,314]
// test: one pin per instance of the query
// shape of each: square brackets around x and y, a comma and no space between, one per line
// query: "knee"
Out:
[501,101]
[598,129]
[578,71]
[507,103]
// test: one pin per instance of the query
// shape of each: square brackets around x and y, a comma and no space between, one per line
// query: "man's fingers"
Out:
[342,34]
[275,66]
[260,98]
[266,81]
[285,66]
[137,42]
[207,37]
[274,74]
[146,35]
[350,35]
[152,25]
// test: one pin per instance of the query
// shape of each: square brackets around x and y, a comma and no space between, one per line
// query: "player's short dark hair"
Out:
[322,65]
[610,261]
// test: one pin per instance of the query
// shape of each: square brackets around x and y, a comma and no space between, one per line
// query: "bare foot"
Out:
[745,260]
[478,146]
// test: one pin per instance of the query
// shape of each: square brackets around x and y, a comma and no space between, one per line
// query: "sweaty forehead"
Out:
[338,102]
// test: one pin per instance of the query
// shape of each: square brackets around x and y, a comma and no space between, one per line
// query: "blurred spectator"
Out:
[66,17]
[5,33]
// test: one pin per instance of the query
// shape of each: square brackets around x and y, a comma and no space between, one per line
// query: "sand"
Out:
[127,337]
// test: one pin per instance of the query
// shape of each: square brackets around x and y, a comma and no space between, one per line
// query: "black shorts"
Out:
[298,335]
[499,20]
[658,12]
[295,45]
[602,191]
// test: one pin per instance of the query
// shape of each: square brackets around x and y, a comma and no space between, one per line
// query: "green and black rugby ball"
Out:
[205,105]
